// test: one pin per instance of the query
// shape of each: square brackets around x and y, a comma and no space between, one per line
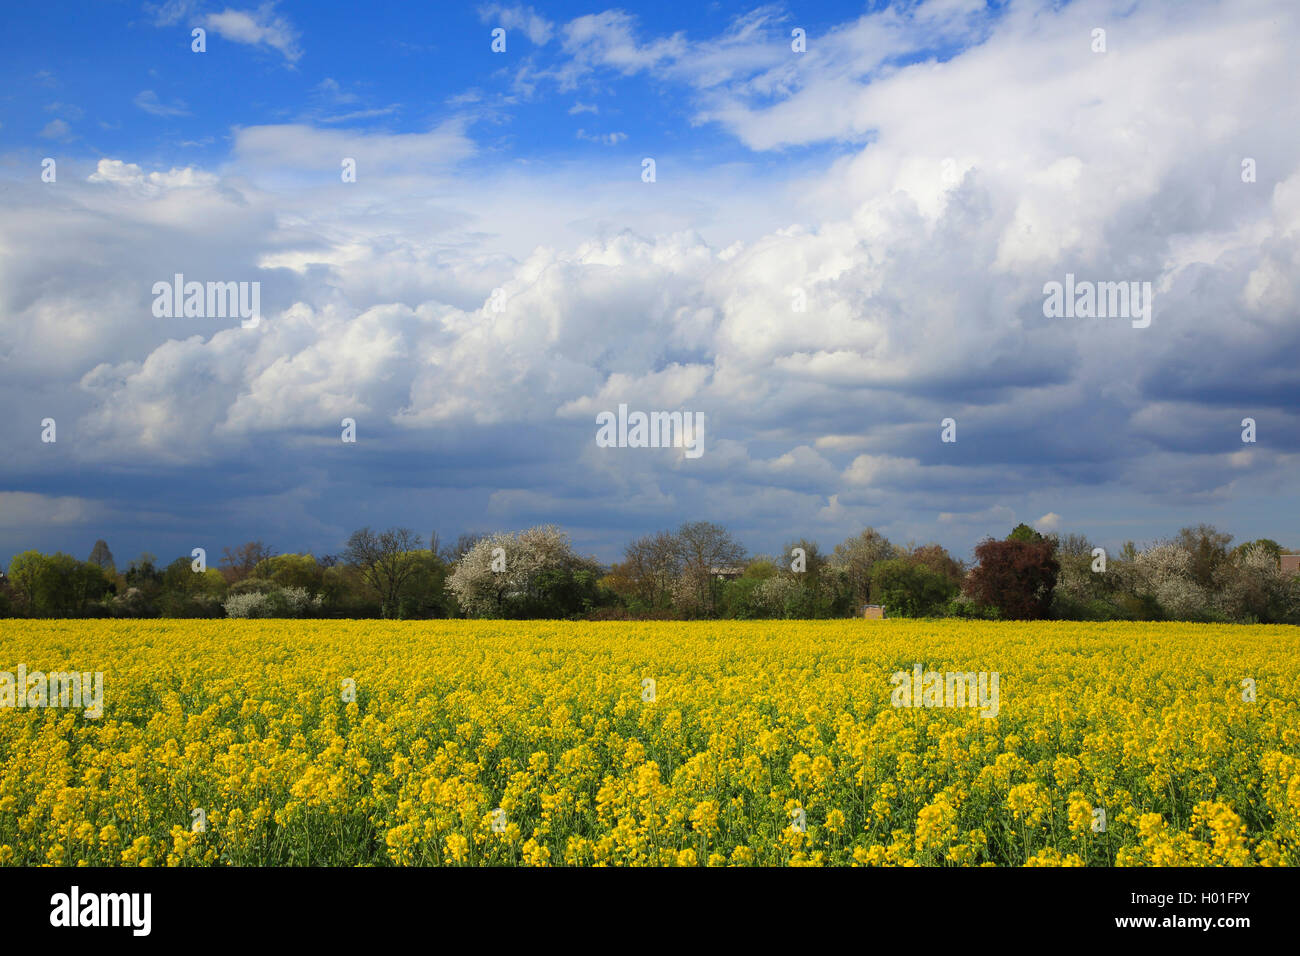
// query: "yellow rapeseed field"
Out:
[713,743]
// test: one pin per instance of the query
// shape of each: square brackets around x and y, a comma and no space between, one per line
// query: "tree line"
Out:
[699,570]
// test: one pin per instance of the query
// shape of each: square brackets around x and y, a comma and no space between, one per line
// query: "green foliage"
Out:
[144,576]
[1209,550]
[1266,545]
[910,590]
[101,556]
[675,575]
[345,594]
[854,558]
[57,585]
[189,593]
[1138,607]
[423,594]
[738,599]
[291,571]
[963,607]
[25,572]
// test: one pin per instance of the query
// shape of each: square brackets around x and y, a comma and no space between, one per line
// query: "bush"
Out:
[633,613]
[278,602]
[248,604]
[295,602]
[189,605]
[132,602]
[1139,607]
[961,606]
[772,595]
[910,590]
[1068,608]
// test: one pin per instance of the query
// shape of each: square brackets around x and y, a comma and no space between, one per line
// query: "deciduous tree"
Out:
[384,562]
[1016,577]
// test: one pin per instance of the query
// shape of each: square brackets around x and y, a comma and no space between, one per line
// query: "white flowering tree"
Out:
[1252,587]
[1166,573]
[533,572]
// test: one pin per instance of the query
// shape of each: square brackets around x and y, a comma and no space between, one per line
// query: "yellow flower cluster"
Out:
[763,743]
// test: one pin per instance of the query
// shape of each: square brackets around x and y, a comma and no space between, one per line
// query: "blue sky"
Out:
[917,175]
[125,79]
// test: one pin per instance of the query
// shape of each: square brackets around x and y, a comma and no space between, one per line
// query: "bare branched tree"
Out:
[704,548]
[384,561]
[238,563]
[651,564]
